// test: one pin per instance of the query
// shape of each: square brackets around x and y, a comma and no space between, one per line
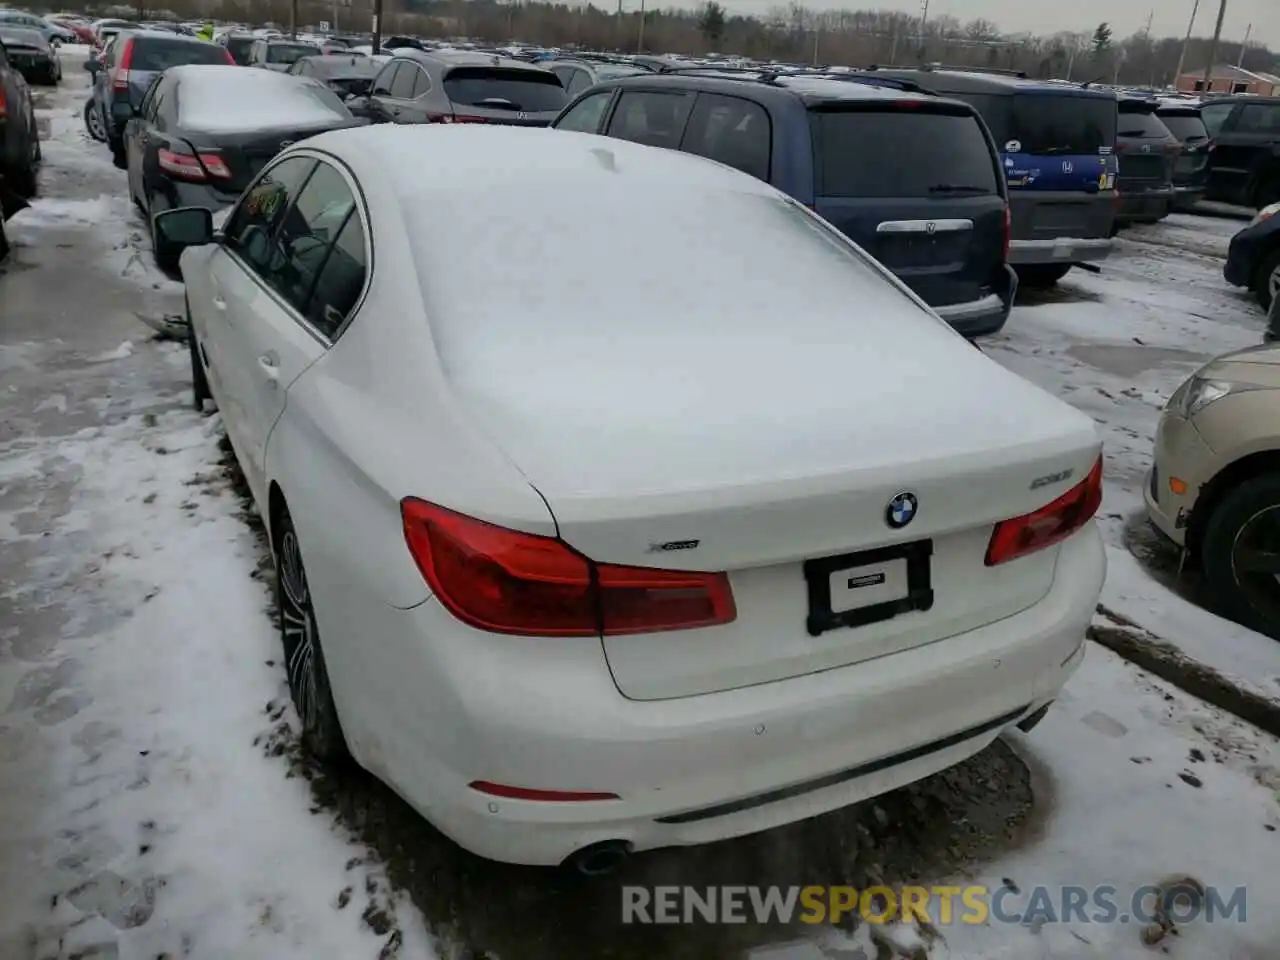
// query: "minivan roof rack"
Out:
[859,76]
[759,74]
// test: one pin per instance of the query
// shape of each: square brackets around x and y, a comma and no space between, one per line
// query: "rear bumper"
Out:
[1060,250]
[1147,206]
[455,706]
[1187,195]
[986,314]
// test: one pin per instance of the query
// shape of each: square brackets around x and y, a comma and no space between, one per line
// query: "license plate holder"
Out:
[874,568]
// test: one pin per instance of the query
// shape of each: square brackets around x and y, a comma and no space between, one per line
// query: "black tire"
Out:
[1240,554]
[94,129]
[1041,276]
[1262,278]
[199,381]
[24,181]
[304,662]
[117,153]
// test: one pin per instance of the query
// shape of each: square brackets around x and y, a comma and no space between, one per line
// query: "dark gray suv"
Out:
[461,87]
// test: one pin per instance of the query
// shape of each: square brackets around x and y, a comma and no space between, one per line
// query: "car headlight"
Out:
[1197,393]
[1266,213]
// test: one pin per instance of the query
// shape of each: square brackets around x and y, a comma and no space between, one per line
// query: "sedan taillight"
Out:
[1051,524]
[506,581]
[196,168]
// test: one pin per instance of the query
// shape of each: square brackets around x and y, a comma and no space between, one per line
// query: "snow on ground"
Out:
[1116,345]
[154,803]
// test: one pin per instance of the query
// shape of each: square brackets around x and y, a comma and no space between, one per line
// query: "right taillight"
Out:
[120,79]
[1051,524]
[506,581]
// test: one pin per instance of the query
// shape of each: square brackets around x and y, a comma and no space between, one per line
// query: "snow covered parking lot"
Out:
[155,803]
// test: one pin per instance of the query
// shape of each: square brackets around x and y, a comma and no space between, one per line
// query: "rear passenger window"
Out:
[402,85]
[732,130]
[250,229]
[341,280]
[1259,118]
[578,82]
[382,83]
[317,262]
[421,83]
[586,115]
[656,119]
[900,153]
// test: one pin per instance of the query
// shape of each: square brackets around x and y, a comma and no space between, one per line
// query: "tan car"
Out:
[1214,485]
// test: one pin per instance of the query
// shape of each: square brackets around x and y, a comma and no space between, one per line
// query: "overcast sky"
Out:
[1049,16]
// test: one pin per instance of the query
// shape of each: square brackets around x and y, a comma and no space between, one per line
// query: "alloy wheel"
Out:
[1255,561]
[299,627]
[94,120]
[1273,282]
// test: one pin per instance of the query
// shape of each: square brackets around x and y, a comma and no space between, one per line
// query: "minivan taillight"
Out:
[1051,524]
[506,581]
[120,78]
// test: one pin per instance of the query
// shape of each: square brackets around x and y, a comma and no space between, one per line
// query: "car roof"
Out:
[223,98]
[1239,98]
[463,58]
[146,33]
[552,162]
[764,85]
[976,81]
[21,32]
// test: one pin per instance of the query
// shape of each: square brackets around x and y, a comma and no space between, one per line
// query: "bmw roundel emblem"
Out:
[901,510]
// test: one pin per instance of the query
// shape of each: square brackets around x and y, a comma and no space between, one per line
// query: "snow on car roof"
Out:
[417,158]
[230,99]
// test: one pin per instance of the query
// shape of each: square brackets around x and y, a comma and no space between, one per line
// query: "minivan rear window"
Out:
[290,52]
[1139,123]
[156,54]
[1048,124]
[900,153]
[531,91]
[238,47]
[1185,124]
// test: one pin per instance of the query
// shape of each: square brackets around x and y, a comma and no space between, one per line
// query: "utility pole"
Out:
[1186,42]
[1244,46]
[377,27]
[617,29]
[924,18]
[293,19]
[1213,45]
[640,34]
[817,35]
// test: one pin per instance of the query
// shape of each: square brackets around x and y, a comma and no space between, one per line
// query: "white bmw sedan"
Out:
[617,500]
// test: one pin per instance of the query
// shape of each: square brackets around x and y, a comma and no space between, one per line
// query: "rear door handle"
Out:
[269,364]
[219,303]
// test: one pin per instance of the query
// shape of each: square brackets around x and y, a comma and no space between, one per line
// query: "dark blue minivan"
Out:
[913,179]
[1057,146]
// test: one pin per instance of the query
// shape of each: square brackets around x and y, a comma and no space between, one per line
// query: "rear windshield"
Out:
[239,46]
[1136,122]
[344,67]
[1185,125]
[1048,124]
[863,153]
[289,52]
[532,91]
[154,54]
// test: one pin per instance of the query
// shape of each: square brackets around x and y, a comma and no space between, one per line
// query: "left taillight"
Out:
[195,167]
[120,79]
[1051,524]
[507,581]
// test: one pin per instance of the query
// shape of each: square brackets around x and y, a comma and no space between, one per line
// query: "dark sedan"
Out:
[347,75]
[202,133]
[1253,258]
[19,140]
[31,54]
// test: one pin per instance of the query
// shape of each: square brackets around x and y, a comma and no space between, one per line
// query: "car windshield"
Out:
[289,52]
[157,54]
[1056,123]
[1139,122]
[534,91]
[1185,125]
[934,154]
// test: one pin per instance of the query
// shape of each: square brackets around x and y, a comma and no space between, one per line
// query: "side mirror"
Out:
[92,65]
[178,229]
